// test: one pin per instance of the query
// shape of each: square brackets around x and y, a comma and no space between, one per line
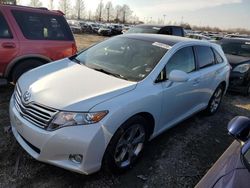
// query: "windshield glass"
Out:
[143,30]
[237,48]
[129,59]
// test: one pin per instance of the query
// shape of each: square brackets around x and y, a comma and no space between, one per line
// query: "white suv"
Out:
[100,107]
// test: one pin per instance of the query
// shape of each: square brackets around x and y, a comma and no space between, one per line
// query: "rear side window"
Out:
[218,58]
[177,31]
[4,28]
[205,56]
[182,60]
[38,26]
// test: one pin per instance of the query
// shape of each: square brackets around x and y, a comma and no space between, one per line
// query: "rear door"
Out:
[208,69]
[8,44]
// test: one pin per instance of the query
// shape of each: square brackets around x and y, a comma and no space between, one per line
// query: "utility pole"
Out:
[164,17]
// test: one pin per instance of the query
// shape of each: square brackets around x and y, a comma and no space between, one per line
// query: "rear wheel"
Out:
[126,145]
[215,101]
[23,67]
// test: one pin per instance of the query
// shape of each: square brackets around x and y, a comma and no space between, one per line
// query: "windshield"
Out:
[129,59]
[237,48]
[143,30]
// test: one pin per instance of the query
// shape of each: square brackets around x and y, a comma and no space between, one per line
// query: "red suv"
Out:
[30,37]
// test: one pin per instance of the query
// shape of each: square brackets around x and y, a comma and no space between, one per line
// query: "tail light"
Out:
[74,49]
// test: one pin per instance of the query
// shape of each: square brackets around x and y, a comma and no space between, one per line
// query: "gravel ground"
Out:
[177,158]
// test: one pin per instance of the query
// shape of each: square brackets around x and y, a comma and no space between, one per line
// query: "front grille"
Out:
[37,114]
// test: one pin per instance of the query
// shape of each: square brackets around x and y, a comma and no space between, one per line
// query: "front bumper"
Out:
[54,147]
[239,81]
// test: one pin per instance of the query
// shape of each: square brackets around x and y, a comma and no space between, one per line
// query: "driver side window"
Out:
[182,60]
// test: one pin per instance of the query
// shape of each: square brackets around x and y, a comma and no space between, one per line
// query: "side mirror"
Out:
[178,76]
[245,154]
[239,128]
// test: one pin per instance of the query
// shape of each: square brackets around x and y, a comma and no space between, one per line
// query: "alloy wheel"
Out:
[216,100]
[130,145]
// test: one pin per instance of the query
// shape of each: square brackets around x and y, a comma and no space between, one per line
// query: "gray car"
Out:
[100,107]
[232,168]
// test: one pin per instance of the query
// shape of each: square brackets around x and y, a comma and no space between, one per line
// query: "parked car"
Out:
[30,37]
[99,108]
[238,54]
[105,31]
[232,169]
[157,29]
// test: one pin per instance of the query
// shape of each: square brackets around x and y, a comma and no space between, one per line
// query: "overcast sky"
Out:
[220,13]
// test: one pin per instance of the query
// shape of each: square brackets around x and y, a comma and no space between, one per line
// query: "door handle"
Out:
[8,45]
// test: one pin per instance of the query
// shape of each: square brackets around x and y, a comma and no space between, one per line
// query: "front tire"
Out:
[126,146]
[215,101]
[23,67]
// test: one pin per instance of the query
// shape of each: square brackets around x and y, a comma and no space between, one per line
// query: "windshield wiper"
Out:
[110,73]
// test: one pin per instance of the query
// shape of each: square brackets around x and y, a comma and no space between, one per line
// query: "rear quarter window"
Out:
[4,28]
[39,26]
[205,56]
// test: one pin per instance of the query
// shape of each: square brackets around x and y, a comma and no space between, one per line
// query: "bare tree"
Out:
[99,10]
[126,13]
[109,11]
[80,6]
[51,4]
[118,9]
[64,5]
[13,2]
[35,3]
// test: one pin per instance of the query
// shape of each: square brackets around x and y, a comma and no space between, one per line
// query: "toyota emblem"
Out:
[26,96]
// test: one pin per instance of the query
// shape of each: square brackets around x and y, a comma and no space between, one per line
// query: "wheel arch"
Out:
[16,61]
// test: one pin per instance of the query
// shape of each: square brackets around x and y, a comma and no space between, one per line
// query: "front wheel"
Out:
[215,101]
[126,146]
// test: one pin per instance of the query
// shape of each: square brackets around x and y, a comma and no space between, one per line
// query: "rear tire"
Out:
[215,101]
[126,145]
[23,67]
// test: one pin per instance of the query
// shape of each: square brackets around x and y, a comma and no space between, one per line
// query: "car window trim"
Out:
[164,69]
[198,63]
[214,52]
[8,27]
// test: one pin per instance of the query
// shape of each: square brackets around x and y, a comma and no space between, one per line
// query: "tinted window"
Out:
[205,56]
[241,48]
[166,31]
[177,31]
[182,60]
[4,29]
[218,58]
[37,26]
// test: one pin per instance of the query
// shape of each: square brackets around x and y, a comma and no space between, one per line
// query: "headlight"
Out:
[64,119]
[242,68]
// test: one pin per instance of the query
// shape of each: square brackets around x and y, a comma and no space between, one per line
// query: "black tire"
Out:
[109,162]
[23,67]
[211,110]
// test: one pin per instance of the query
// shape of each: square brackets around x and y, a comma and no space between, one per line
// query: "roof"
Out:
[155,25]
[236,39]
[165,39]
[27,8]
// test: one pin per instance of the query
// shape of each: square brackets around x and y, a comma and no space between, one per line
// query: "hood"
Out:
[69,86]
[235,59]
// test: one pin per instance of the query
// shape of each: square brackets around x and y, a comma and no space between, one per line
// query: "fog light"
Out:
[75,158]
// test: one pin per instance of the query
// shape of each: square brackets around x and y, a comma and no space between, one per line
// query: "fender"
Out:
[19,58]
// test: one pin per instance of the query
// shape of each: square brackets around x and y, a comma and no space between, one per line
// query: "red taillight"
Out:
[74,49]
